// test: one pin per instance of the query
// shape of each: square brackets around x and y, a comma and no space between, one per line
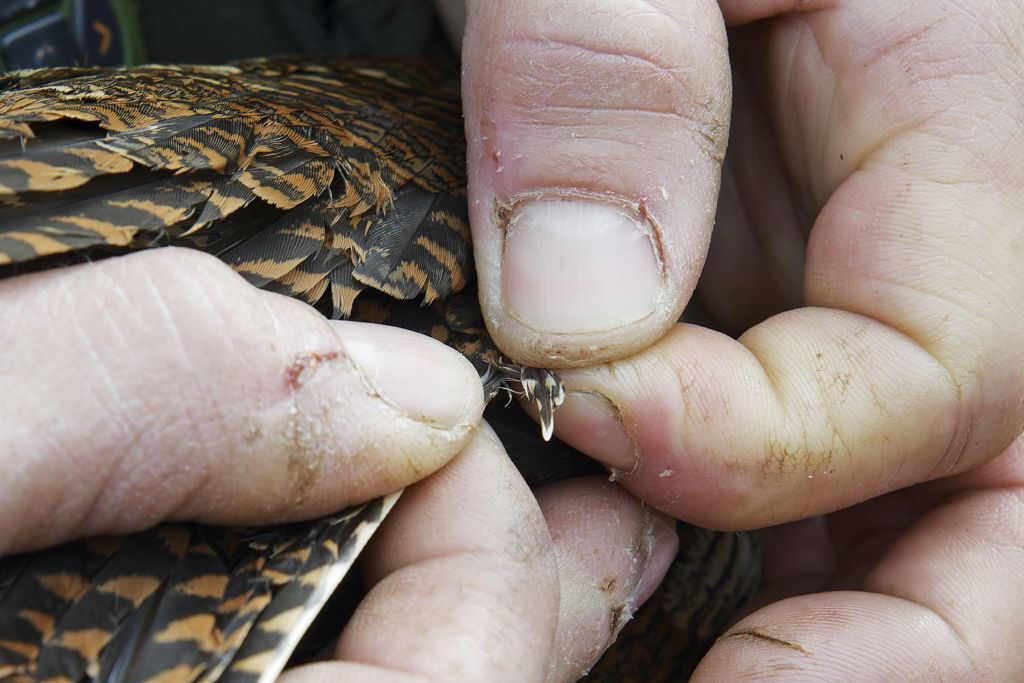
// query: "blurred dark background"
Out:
[37,33]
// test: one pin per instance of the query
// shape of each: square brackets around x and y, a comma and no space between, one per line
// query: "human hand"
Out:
[899,129]
[220,403]
[161,386]
[920,584]
[869,243]
[469,582]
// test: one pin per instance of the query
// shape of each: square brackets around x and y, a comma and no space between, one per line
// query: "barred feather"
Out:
[357,163]
[183,602]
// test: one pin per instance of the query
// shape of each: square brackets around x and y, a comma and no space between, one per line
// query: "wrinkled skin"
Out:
[867,263]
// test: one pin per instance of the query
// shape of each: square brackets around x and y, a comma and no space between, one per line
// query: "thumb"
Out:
[596,132]
[161,385]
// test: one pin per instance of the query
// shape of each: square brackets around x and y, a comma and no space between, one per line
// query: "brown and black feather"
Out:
[307,177]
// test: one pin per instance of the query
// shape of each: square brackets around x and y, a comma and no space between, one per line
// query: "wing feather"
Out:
[368,156]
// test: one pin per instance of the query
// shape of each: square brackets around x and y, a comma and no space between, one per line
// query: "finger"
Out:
[838,552]
[162,386]
[596,131]
[936,603]
[1006,471]
[612,553]
[465,586]
[907,363]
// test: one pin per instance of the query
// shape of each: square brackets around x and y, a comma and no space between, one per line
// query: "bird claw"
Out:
[542,388]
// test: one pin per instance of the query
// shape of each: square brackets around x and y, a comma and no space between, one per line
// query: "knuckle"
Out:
[192,297]
[181,267]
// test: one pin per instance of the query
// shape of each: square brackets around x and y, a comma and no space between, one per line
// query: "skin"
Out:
[914,585]
[147,413]
[901,363]
[157,401]
[862,293]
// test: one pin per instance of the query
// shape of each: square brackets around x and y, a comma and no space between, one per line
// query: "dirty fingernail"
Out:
[591,423]
[579,265]
[664,546]
[420,376]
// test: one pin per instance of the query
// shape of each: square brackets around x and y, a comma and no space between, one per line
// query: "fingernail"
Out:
[420,376]
[664,547]
[578,265]
[594,425]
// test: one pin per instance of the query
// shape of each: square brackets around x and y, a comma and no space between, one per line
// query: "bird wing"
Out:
[307,176]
